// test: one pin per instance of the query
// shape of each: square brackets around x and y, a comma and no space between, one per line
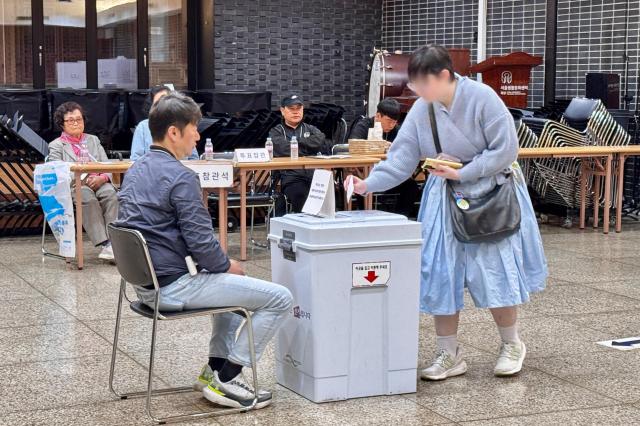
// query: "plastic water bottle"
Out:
[208,150]
[84,153]
[377,131]
[269,146]
[294,148]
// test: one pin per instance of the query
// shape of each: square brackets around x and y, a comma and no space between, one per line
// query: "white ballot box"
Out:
[355,281]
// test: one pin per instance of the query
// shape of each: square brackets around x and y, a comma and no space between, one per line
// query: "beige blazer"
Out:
[61,151]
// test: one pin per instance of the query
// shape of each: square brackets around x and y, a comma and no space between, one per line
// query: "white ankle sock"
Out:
[509,334]
[448,343]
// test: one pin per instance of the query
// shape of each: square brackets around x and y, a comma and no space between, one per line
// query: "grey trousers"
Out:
[99,209]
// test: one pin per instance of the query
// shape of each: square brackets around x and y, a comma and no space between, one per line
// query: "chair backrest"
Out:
[342,148]
[354,123]
[580,109]
[132,256]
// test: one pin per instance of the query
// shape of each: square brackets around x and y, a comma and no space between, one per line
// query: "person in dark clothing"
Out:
[162,199]
[388,113]
[311,141]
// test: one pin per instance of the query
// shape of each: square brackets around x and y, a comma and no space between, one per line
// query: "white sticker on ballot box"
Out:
[370,274]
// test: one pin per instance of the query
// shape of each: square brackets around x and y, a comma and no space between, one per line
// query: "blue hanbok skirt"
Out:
[496,274]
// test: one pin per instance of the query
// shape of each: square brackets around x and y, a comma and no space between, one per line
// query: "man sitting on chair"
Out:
[162,199]
[388,114]
[311,141]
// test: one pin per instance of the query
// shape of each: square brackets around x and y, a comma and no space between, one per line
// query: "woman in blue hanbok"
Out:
[476,129]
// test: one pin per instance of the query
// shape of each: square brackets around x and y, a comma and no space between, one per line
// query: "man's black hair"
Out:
[148,102]
[174,109]
[389,107]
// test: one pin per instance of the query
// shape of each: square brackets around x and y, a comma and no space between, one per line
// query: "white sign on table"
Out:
[251,155]
[321,200]
[213,175]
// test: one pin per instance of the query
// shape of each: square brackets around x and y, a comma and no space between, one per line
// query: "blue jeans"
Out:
[269,302]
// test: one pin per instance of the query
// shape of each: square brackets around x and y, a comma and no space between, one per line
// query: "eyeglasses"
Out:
[74,121]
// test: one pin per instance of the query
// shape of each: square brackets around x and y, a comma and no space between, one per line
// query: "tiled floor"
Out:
[56,329]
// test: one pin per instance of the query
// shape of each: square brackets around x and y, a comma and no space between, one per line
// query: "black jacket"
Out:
[361,130]
[311,141]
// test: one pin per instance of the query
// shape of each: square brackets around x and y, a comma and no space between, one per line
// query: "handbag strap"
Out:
[434,128]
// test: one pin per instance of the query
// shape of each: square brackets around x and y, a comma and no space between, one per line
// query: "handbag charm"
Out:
[460,201]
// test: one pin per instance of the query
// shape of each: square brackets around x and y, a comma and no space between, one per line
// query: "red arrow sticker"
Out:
[370,274]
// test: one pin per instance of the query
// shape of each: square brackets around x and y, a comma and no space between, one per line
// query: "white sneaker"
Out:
[510,359]
[106,253]
[234,393]
[203,380]
[444,365]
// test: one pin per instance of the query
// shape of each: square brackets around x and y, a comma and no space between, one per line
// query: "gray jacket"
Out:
[61,151]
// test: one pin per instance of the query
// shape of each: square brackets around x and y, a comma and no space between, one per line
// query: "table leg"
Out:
[79,247]
[369,198]
[222,217]
[596,199]
[243,214]
[205,198]
[583,194]
[607,194]
[620,190]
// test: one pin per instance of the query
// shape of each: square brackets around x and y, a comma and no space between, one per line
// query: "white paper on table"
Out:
[321,200]
[350,189]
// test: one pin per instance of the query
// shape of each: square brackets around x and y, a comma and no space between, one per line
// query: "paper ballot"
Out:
[350,189]
[321,200]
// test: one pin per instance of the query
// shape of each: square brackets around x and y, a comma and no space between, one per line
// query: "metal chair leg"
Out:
[149,392]
[219,412]
[115,340]
[43,249]
[252,353]
[251,239]
[253,211]
[152,354]
[114,356]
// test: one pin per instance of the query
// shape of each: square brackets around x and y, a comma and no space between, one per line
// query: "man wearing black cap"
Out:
[311,141]
[388,113]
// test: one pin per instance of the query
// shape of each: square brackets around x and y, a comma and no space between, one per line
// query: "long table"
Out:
[598,153]
[119,168]
[623,152]
[606,153]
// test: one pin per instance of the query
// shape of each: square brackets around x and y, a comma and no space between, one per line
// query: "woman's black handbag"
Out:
[485,219]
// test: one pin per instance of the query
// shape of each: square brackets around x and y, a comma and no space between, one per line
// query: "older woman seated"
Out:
[99,197]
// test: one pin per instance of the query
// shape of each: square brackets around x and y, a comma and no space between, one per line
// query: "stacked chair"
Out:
[585,122]
[329,119]
[20,150]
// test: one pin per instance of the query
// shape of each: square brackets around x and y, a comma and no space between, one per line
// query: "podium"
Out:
[509,76]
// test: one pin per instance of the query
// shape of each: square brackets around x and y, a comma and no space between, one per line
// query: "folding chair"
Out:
[134,265]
